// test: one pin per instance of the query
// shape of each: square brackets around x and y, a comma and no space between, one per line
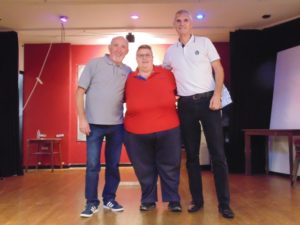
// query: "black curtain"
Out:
[253,61]
[10,152]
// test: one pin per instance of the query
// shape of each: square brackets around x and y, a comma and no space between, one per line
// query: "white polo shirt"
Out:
[191,65]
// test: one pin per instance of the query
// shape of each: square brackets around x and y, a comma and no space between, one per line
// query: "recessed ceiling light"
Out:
[134,17]
[200,16]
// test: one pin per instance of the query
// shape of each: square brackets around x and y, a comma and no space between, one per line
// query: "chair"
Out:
[296,161]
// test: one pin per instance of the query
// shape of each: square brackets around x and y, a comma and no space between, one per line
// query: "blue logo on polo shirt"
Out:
[197,52]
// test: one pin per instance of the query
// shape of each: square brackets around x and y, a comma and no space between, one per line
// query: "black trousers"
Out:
[193,109]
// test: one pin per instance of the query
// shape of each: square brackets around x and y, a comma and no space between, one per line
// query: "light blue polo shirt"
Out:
[104,82]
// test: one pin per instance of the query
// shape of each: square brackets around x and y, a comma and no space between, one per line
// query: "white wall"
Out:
[204,155]
[203,152]
[285,106]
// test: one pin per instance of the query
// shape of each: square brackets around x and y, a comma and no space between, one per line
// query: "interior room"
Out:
[44,47]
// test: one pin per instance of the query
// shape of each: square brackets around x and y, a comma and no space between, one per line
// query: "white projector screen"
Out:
[285,106]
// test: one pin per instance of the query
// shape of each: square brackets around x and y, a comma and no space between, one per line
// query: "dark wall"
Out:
[10,154]
[253,58]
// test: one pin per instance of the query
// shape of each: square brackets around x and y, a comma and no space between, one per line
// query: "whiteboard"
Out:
[285,106]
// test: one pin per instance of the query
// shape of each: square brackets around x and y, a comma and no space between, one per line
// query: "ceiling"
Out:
[96,21]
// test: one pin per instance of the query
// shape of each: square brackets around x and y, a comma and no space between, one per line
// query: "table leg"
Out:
[59,154]
[290,137]
[247,155]
[52,156]
[28,155]
[268,146]
[38,156]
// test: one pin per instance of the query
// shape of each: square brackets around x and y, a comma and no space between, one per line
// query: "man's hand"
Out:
[84,126]
[215,102]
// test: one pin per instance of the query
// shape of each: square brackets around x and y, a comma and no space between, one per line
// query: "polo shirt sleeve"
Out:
[167,62]
[85,78]
[211,50]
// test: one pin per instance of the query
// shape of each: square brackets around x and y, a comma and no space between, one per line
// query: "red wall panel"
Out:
[48,107]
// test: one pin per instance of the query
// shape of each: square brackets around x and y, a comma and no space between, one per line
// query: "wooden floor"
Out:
[44,198]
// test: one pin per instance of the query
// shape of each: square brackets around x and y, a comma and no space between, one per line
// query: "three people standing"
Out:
[152,136]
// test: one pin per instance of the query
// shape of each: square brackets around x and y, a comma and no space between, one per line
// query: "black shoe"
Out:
[226,212]
[147,206]
[174,207]
[193,207]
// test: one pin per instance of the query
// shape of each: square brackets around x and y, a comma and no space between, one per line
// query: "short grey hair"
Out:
[183,11]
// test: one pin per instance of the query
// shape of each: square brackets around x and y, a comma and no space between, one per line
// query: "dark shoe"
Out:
[147,206]
[193,207]
[174,207]
[226,212]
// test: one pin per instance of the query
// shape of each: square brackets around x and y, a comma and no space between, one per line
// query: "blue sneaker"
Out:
[89,210]
[113,206]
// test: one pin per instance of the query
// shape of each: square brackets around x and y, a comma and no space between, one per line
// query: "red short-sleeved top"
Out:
[151,102]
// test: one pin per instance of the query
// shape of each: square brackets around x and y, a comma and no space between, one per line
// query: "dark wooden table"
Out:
[248,133]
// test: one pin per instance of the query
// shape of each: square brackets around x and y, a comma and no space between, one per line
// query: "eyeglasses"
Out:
[144,55]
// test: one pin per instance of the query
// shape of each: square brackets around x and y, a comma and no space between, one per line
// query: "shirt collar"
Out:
[192,39]
[109,61]
[154,71]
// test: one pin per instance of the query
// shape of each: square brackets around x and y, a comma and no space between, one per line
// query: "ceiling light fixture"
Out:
[63,19]
[266,16]
[134,17]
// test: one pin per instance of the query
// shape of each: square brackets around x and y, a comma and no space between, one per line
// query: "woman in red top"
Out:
[152,136]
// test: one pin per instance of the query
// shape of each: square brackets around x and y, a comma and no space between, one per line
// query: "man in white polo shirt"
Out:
[193,60]
[103,81]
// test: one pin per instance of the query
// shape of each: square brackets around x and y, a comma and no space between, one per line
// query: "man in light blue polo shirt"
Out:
[103,81]
[193,60]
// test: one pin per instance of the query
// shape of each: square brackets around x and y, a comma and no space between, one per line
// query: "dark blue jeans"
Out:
[191,111]
[153,155]
[114,139]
